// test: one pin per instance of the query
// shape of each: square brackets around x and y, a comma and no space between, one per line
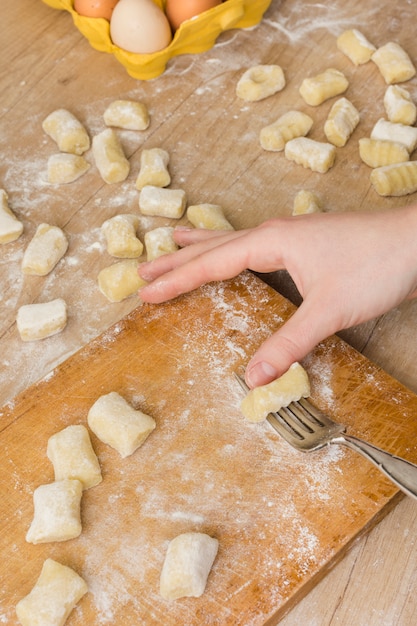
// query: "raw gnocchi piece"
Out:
[127,114]
[316,155]
[120,280]
[341,121]
[394,63]
[380,152]
[209,216]
[289,126]
[259,82]
[306,202]
[56,592]
[159,241]
[72,456]
[399,179]
[355,46]
[399,107]
[291,386]
[187,565]
[57,515]
[158,201]
[41,320]
[116,423]
[153,168]
[120,234]
[46,248]
[64,168]
[109,157]
[67,132]
[321,87]
[10,227]
[400,133]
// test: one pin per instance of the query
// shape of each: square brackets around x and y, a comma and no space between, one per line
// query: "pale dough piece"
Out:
[120,234]
[289,126]
[399,105]
[10,227]
[64,168]
[72,456]
[127,114]
[158,201]
[321,87]
[291,386]
[153,168]
[57,515]
[159,241]
[341,121]
[109,157]
[56,592]
[355,46]
[188,561]
[395,180]
[259,82]
[407,135]
[67,132]
[120,280]
[394,63]
[41,320]
[380,152]
[209,216]
[306,202]
[316,155]
[115,422]
[46,248]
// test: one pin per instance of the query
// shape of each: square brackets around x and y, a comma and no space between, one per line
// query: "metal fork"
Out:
[307,428]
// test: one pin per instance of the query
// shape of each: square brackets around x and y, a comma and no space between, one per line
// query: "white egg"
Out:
[139,26]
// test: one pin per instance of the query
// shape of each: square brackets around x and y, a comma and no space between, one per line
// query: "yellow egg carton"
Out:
[193,36]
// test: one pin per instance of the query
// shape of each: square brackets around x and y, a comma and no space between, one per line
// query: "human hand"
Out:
[348,267]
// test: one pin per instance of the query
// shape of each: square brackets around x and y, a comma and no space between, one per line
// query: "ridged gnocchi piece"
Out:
[306,202]
[400,133]
[355,46]
[109,157]
[10,227]
[67,131]
[64,168]
[46,248]
[159,241]
[289,126]
[379,152]
[42,319]
[153,168]
[120,234]
[120,280]
[317,89]
[208,216]
[259,82]
[399,106]
[341,122]
[158,201]
[394,63]
[395,180]
[127,114]
[315,155]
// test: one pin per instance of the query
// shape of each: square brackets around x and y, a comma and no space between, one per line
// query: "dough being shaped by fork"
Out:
[56,512]
[115,422]
[187,564]
[46,248]
[259,82]
[56,592]
[72,456]
[10,227]
[291,386]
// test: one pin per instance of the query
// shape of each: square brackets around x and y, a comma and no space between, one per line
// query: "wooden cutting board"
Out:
[282,518]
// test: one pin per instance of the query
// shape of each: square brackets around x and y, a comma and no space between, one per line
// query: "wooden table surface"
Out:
[215,156]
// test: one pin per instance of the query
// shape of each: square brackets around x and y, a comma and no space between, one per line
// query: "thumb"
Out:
[308,326]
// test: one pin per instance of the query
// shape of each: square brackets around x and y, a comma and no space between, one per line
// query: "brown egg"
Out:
[95,8]
[178,11]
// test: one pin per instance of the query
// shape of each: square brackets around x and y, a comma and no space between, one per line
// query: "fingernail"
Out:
[261,374]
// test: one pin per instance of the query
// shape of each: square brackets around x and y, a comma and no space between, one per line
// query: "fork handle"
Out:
[401,472]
